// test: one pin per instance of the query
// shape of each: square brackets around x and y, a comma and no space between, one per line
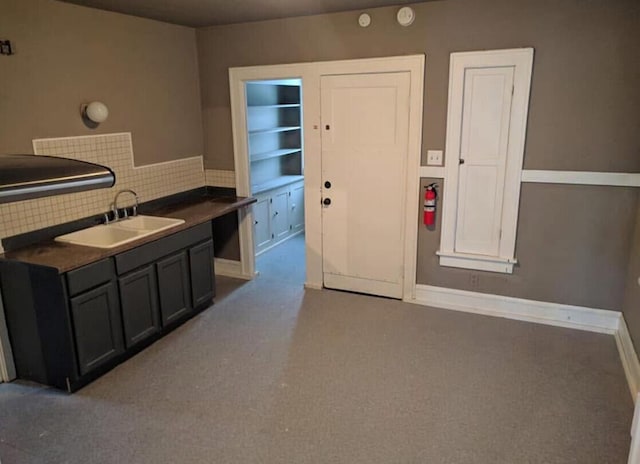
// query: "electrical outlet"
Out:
[434,157]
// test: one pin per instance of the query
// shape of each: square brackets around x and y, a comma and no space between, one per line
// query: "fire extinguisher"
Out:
[430,196]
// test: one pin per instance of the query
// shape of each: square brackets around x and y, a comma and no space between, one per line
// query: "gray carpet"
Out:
[276,374]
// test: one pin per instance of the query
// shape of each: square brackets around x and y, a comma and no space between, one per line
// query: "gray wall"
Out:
[145,71]
[573,241]
[631,305]
[585,96]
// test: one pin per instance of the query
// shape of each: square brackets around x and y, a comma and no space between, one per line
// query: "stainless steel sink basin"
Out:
[119,233]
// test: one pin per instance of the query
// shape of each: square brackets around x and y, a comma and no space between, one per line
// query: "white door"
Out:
[486,112]
[261,226]
[296,218]
[280,214]
[365,129]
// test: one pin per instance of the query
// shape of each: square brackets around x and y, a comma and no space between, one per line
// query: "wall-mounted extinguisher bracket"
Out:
[430,197]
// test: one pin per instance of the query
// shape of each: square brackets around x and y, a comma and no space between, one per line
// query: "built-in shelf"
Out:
[274,154]
[283,105]
[274,130]
[275,145]
[275,183]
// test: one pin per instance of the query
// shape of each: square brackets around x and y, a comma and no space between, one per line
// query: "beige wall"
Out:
[573,241]
[631,305]
[145,71]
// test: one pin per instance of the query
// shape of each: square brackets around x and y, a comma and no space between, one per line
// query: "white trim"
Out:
[617,179]
[634,452]
[478,262]
[230,268]
[431,171]
[628,357]
[556,314]
[522,61]
[310,74]
[275,244]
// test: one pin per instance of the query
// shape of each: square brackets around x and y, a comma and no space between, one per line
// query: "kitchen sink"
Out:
[145,223]
[119,233]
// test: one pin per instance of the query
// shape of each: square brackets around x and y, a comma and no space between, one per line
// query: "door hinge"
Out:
[272,236]
[290,227]
[500,235]
[270,200]
[513,89]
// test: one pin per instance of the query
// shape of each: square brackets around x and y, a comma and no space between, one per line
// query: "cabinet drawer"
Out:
[89,276]
[155,250]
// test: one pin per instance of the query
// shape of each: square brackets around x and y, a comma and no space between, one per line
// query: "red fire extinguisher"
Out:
[430,196]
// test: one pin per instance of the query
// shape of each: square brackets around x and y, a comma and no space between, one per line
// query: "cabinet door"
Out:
[296,207]
[97,326]
[173,286]
[139,302]
[202,277]
[280,214]
[261,224]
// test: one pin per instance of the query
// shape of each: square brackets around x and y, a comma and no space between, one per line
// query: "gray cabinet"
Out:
[71,328]
[139,304]
[173,286]
[202,277]
[97,326]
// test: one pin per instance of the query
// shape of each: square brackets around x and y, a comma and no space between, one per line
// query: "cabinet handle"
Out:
[275,214]
[255,223]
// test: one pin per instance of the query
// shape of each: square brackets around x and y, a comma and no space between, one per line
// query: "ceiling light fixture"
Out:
[94,113]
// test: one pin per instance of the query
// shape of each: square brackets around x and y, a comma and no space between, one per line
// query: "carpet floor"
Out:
[273,373]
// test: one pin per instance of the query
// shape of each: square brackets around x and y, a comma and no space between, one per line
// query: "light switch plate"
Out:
[434,157]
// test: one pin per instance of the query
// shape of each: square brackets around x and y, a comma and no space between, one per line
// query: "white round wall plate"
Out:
[405,16]
[364,20]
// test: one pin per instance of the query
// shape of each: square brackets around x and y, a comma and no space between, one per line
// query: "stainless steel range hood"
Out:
[23,177]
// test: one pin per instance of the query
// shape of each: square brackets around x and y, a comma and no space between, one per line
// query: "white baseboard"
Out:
[629,358]
[230,268]
[575,317]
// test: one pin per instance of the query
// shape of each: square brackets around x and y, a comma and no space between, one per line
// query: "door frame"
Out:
[310,74]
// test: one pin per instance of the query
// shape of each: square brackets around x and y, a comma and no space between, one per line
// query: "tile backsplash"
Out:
[112,150]
[220,178]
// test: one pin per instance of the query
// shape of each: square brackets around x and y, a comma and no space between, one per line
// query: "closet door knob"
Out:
[327,184]
[326,201]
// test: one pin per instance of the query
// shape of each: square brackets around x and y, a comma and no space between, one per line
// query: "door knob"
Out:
[326,201]
[327,184]
[461,161]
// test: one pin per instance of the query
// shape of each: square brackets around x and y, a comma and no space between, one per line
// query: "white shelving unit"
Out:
[274,126]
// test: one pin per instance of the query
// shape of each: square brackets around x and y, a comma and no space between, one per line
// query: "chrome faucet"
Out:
[114,205]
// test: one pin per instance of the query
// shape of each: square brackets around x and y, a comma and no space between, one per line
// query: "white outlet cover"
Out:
[434,157]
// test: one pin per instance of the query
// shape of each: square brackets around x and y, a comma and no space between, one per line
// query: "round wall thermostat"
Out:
[364,20]
[406,15]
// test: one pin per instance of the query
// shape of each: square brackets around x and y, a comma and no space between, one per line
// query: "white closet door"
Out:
[486,114]
[365,131]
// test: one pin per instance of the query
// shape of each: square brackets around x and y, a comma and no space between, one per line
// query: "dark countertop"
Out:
[66,257]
